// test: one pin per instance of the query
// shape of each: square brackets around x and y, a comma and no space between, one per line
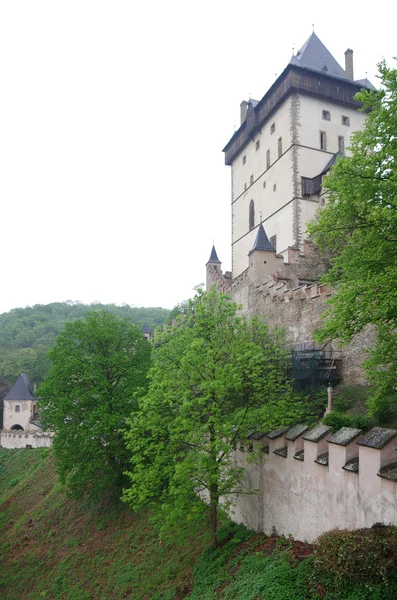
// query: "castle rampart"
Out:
[311,482]
[26,439]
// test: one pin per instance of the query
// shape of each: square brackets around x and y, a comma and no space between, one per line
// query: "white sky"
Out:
[113,116]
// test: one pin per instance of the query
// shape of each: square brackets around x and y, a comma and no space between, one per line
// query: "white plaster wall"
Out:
[311,122]
[306,499]
[16,439]
[22,418]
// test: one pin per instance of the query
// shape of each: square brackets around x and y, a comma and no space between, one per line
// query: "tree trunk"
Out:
[214,499]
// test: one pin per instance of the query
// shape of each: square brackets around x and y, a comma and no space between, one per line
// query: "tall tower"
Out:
[285,143]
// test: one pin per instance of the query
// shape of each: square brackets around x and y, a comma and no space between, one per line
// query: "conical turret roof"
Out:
[261,241]
[314,55]
[21,390]
[214,257]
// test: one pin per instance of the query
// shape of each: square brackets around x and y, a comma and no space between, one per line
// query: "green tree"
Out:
[97,365]
[358,229]
[214,378]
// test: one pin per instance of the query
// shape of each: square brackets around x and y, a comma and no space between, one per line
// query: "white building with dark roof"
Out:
[21,426]
[285,143]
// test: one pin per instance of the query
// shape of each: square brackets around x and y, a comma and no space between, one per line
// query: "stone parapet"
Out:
[25,439]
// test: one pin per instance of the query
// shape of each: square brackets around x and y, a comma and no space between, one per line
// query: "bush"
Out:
[362,556]
[337,419]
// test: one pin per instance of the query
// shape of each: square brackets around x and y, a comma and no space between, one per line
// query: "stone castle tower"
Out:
[285,144]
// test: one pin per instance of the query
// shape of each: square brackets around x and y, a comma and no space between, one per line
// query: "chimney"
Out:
[243,111]
[349,64]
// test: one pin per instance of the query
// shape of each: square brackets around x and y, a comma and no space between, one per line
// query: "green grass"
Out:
[55,548]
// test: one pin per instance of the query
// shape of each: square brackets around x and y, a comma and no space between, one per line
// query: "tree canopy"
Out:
[214,377]
[97,365]
[27,334]
[358,228]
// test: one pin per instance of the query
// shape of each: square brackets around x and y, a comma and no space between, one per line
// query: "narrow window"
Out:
[346,121]
[264,184]
[272,128]
[245,186]
[274,187]
[323,140]
[326,115]
[268,159]
[258,145]
[273,241]
[244,159]
[251,215]
[251,179]
[17,408]
[280,146]
[341,144]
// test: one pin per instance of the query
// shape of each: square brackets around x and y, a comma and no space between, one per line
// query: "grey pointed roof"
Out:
[365,83]
[21,390]
[214,257]
[314,55]
[261,241]
[145,328]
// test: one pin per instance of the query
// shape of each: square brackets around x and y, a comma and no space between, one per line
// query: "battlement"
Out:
[322,481]
[14,438]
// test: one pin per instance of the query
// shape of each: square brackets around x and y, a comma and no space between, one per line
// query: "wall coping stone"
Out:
[295,432]
[344,436]
[317,434]
[377,438]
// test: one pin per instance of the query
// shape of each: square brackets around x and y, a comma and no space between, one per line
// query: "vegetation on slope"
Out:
[26,334]
[55,548]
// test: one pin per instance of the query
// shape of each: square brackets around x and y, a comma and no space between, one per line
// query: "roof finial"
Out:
[293,48]
[260,216]
[313,27]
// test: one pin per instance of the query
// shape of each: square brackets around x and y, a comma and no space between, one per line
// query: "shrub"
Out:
[364,556]
[336,420]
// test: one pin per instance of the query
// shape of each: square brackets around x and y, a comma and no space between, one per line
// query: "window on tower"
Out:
[272,128]
[341,144]
[268,159]
[280,146]
[326,115]
[251,179]
[244,159]
[345,121]
[17,408]
[323,140]
[251,215]
[257,145]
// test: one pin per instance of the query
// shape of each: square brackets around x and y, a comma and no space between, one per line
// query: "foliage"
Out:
[26,334]
[337,419]
[214,378]
[96,367]
[365,555]
[359,229]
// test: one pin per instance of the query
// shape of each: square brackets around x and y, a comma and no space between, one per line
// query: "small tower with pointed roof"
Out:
[263,260]
[19,407]
[213,268]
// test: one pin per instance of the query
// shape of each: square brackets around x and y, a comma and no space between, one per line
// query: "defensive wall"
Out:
[310,482]
[15,438]
[290,297]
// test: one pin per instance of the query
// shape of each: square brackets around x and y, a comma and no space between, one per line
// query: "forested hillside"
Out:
[26,334]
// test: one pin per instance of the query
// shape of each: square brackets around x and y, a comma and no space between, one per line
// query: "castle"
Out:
[285,145]
[21,425]
[287,142]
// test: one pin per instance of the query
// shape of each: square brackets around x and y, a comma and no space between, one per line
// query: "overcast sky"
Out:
[113,119]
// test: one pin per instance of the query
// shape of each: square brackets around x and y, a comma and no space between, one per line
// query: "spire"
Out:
[21,390]
[314,55]
[262,241]
[214,257]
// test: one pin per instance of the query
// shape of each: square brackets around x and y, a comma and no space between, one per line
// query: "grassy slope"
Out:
[53,547]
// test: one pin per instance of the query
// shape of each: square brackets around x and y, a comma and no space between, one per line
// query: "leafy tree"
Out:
[359,229]
[96,367]
[26,334]
[214,378]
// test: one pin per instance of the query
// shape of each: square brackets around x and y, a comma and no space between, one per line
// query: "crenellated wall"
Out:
[292,299]
[26,439]
[310,482]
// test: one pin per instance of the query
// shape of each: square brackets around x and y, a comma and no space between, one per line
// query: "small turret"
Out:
[146,332]
[213,264]
[263,260]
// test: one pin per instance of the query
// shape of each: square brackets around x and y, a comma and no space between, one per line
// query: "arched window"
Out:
[251,217]
[17,427]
